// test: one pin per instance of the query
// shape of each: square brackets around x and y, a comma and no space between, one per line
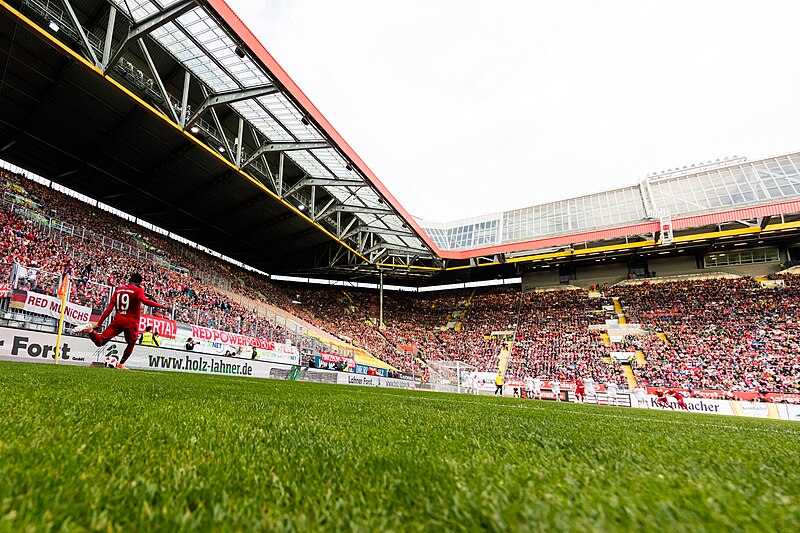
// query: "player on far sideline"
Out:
[126,302]
[589,385]
[580,391]
[678,398]
[555,386]
[611,392]
[529,387]
[661,399]
[641,396]
[537,388]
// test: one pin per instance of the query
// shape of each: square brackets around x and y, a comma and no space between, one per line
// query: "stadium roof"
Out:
[170,77]
[175,113]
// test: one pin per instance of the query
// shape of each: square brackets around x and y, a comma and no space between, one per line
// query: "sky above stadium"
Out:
[465,108]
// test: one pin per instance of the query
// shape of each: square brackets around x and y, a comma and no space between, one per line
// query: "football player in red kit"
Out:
[661,399]
[126,302]
[678,398]
[580,391]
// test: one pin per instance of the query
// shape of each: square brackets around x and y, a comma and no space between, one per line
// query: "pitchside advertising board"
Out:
[37,347]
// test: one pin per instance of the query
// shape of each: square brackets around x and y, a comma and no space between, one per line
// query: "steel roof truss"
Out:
[315,182]
[81,32]
[379,231]
[324,209]
[230,97]
[167,100]
[355,209]
[148,24]
[284,147]
[395,248]
[112,18]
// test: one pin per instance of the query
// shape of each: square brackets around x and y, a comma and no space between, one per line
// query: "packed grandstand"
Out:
[717,333]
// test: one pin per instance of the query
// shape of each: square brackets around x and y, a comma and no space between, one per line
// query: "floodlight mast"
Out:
[380,300]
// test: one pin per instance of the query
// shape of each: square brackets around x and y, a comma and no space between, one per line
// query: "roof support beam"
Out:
[379,231]
[396,249]
[324,209]
[363,210]
[164,94]
[187,80]
[112,17]
[79,28]
[346,229]
[148,24]
[284,147]
[314,182]
[231,97]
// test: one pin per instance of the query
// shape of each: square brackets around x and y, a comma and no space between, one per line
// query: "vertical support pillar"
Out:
[187,78]
[112,17]
[280,175]
[239,143]
[380,320]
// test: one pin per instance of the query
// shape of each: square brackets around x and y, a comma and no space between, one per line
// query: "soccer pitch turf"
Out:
[92,449]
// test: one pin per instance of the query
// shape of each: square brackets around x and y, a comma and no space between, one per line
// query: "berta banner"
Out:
[44,304]
[166,328]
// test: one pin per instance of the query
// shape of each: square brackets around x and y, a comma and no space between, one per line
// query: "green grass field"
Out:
[93,449]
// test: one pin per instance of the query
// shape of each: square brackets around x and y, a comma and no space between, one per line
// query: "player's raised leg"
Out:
[130,340]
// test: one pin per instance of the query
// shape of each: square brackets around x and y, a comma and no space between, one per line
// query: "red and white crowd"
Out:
[725,334]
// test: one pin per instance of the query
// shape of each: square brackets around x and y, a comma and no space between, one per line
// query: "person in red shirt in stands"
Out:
[678,398]
[126,302]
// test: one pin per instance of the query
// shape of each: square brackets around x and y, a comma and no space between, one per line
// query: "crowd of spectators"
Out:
[99,251]
[554,339]
[732,334]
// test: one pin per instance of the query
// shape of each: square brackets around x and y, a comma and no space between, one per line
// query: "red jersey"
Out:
[126,302]
[675,394]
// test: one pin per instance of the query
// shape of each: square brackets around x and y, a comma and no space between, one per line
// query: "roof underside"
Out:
[230,160]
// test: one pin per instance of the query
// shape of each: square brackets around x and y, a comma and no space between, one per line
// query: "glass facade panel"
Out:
[740,184]
[743,257]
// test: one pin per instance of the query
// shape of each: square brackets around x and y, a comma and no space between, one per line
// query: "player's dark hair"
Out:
[136,278]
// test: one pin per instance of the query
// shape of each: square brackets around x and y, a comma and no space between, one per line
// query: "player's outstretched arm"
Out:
[105,314]
[151,303]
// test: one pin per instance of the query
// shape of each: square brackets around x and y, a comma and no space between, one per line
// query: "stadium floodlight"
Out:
[221,149]
[301,207]
[53,26]
[239,52]
[194,129]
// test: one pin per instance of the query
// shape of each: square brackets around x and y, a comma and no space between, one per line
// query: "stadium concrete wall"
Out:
[538,280]
[594,275]
[673,266]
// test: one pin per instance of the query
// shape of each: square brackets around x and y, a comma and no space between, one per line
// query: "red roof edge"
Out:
[224,11]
